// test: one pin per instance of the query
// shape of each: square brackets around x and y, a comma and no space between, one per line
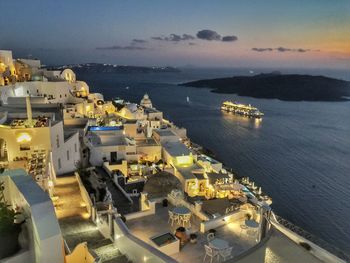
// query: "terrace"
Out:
[158,223]
[25,123]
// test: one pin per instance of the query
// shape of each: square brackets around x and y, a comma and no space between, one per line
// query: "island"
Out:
[113,68]
[288,87]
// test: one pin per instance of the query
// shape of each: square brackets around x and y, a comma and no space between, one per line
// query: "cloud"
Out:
[157,38]
[139,41]
[258,49]
[282,49]
[229,38]
[121,48]
[207,34]
[192,44]
[175,37]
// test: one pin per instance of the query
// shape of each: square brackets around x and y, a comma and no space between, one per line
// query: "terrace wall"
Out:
[84,194]
[221,220]
[135,249]
[316,250]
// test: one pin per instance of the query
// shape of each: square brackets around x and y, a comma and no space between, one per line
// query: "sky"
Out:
[250,33]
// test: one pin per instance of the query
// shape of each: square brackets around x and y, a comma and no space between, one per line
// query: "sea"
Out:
[299,153]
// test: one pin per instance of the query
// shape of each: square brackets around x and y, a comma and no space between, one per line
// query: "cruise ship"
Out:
[241,109]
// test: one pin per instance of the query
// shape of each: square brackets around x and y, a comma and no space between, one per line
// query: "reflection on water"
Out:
[242,120]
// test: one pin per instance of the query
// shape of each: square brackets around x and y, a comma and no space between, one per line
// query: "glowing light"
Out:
[24,137]
[85,215]
[184,160]
[50,183]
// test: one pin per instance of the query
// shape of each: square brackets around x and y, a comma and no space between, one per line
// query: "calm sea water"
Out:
[299,153]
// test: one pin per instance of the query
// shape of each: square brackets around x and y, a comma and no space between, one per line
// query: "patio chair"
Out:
[172,218]
[210,237]
[186,220]
[226,253]
[212,253]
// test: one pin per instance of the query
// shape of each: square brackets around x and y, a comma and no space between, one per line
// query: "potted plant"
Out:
[165,202]
[9,230]
[193,238]
[181,235]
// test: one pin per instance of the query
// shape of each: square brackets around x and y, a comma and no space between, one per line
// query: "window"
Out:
[57,141]
[59,164]
[75,147]
[67,155]
[60,95]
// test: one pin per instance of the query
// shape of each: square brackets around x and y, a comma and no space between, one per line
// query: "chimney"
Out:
[29,109]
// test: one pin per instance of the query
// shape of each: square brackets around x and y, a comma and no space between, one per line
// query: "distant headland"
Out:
[290,87]
[110,68]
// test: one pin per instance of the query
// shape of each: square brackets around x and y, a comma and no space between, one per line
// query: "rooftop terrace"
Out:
[152,225]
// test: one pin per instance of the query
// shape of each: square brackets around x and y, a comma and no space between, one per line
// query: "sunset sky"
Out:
[252,33]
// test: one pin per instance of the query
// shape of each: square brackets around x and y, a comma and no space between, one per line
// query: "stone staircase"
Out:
[75,228]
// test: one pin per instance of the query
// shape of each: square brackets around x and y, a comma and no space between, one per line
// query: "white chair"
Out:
[186,220]
[172,218]
[212,253]
[226,253]
[210,237]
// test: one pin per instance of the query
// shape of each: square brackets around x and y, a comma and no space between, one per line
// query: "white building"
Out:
[44,243]
[146,101]
[19,140]
[108,143]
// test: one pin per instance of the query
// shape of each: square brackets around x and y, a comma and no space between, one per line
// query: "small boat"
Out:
[127,87]
[188,99]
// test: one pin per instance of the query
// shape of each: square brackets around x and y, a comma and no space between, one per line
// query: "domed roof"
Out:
[161,184]
[145,97]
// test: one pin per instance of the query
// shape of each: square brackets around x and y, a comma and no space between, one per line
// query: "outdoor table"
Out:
[251,224]
[218,244]
[181,210]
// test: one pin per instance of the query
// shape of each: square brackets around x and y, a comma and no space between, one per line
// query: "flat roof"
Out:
[165,132]
[151,110]
[207,158]
[279,249]
[146,142]
[186,172]
[176,148]
[106,139]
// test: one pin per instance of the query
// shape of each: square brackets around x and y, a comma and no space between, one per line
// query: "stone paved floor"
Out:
[76,230]
[68,201]
[152,225]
